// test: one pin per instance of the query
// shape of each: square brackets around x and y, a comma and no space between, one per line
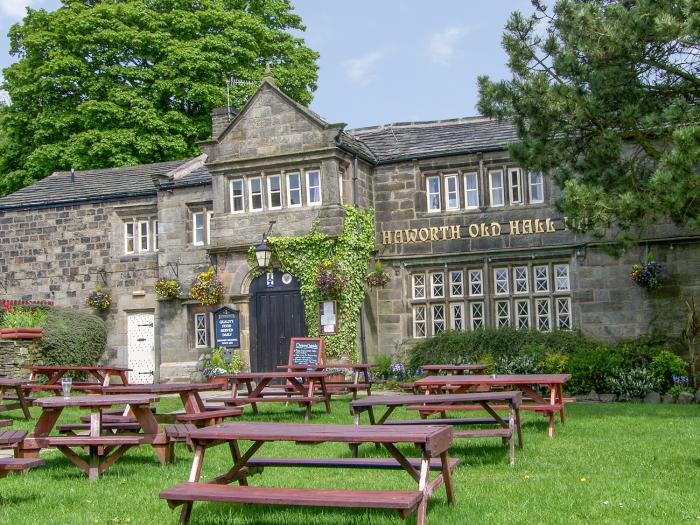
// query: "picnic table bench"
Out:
[102,375]
[12,439]
[17,399]
[433,442]
[507,428]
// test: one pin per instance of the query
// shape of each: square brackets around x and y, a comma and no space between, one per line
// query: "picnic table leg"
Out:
[447,477]
[195,472]
[22,402]
[560,394]
[248,385]
[236,455]
[423,487]
[326,396]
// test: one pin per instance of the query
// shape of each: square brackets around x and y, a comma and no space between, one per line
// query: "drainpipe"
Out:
[363,341]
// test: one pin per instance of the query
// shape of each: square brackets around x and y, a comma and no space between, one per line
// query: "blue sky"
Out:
[384,61]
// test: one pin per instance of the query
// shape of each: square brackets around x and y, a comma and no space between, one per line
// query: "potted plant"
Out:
[649,275]
[216,366]
[378,278]
[207,288]
[335,375]
[99,299]
[168,288]
[21,323]
[330,277]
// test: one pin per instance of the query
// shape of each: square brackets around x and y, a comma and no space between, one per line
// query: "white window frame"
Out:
[240,198]
[539,318]
[309,187]
[291,189]
[502,320]
[417,322]
[340,188]
[459,282]
[455,192]
[434,321]
[251,194]
[203,228]
[208,217]
[155,235]
[198,330]
[518,183]
[537,280]
[433,284]
[557,278]
[130,236]
[474,190]
[502,282]
[519,317]
[479,282]
[420,286]
[454,317]
[519,280]
[493,188]
[536,180]
[141,226]
[481,320]
[270,192]
[558,302]
[429,194]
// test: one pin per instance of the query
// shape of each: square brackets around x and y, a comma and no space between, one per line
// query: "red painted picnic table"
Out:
[453,369]
[360,371]
[102,373]
[549,405]
[104,448]
[432,441]
[303,390]
[19,400]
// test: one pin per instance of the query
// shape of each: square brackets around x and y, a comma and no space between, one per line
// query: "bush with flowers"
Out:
[331,278]
[21,316]
[168,288]
[649,275]
[207,288]
[99,299]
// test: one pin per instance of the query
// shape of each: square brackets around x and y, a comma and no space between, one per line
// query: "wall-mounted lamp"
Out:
[263,252]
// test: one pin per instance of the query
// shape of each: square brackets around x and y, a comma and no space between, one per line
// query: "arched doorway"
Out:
[276,315]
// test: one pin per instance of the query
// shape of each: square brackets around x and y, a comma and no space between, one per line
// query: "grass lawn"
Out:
[611,463]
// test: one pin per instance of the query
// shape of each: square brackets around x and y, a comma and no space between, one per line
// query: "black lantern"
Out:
[263,253]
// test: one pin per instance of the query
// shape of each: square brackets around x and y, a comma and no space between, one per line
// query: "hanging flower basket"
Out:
[330,278]
[649,275]
[168,288]
[207,288]
[378,278]
[99,299]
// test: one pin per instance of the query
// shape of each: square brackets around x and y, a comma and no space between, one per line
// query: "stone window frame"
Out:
[420,320]
[290,189]
[429,194]
[474,320]
[557,278]
[240,197]
[543,317]
[270,192]
[195,228]
[454,177]
[513,184]
[433,285]
[517,280]
[479,282]
[420,286]
[135,223]
[307,176]
[452,282]
[501,285]
[252,194]
[201,330]
[503,316]
[537,279]
[492,187]
[456,321]
[467,190]
[518,314]
[538,184]
[438,319]
[563,317]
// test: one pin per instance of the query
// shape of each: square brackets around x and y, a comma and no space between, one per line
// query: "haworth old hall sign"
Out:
[474,230]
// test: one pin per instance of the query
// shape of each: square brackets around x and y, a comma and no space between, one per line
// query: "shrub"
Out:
[555,363]
[632,384]
[217,365]
[72,338]
[680,384]
[517,364]
[665,365]
[590,369]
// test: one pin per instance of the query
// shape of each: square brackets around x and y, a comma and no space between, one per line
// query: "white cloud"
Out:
[442,45]
[18,8]
[359,70]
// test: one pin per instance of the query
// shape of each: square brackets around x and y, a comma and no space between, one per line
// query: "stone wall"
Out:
[14,354]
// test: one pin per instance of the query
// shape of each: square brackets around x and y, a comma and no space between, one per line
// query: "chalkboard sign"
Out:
[306,351]
[227,328]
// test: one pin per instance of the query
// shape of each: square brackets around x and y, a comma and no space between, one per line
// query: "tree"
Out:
[604,95]
[103,83]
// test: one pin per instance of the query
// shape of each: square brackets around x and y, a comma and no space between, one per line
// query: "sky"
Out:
[383,61]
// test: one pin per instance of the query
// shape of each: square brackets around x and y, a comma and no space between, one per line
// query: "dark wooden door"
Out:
[277,315]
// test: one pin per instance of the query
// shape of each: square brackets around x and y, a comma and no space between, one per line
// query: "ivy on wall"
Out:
[302,256]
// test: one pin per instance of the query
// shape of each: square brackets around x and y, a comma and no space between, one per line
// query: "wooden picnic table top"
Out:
[166,388]
[77,368]
[276,375]
[95,401]
[13,382]
[500,379]
[515,397]
[463,367]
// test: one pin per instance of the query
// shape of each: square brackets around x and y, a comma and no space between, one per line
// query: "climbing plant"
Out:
[302,256]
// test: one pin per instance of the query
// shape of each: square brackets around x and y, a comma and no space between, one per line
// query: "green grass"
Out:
[613,463]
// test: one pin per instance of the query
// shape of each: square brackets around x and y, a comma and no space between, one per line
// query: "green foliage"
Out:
[99,299]
[677,389]
[105,83]
[72,338]
[665,365]
[555,363]
[22,317]
[632,384]
[690,334]
[590,370]
[604,98]
[217,365]
[518,364]
[302,256]
[168,288]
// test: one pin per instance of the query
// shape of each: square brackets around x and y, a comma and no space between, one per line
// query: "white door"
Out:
[141,355]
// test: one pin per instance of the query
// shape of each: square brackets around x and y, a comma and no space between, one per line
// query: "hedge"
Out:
[72,337]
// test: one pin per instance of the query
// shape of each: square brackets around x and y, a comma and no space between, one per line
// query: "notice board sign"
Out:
[327,314]
[227,328]
[306,351]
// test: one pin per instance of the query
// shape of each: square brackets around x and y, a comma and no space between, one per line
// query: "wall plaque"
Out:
[227,328]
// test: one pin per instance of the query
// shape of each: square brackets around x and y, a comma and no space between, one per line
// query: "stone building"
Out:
[470,239]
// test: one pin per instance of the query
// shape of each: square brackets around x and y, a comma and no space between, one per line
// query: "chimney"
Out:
[220,121]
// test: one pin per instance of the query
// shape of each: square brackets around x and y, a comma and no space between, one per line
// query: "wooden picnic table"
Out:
[303,390]
[19,400]
[489,401]
[453,369]
[360,371]
[432,441]
[101,373]
[554,402]
[104,448]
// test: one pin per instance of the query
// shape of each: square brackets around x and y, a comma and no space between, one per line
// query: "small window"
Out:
[561,277]
[500,278]
[201,330]
[237,202]
[155,236]
[563,313]
[293,189]
[255,193]
[520,280]
[502,313]
[457,316]
[516,186]
[438,318]
[274,191]
[209,216]
[536,187]
[313,188]
[471,191]
[129,235]
[419,286]
[198,229]
[437,285]
[477,315]
[452,192]
[476,282]
[433,193]
[144,238]
[419,321]
[522,314]
[541,279]
[340,188]
[456,284]
[496,186]
[542,314]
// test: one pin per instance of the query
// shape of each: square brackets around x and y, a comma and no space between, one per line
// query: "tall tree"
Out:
[605,95]
[102,83]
